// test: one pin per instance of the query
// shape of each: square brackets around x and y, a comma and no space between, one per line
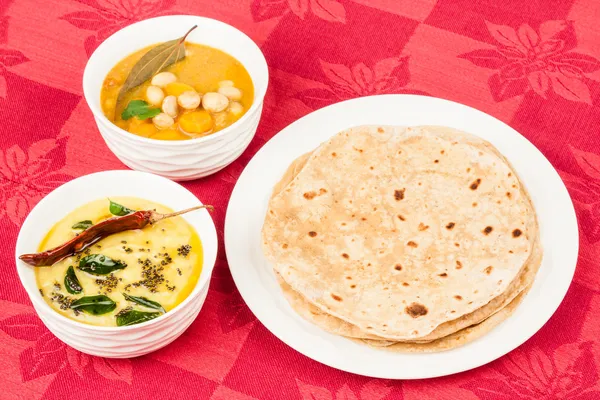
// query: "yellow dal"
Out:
[170,233]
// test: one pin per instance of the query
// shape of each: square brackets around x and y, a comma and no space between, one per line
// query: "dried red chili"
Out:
[95,233]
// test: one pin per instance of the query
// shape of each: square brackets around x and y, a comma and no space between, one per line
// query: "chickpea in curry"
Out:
[205,92]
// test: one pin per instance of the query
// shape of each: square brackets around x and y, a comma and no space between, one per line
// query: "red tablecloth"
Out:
[532,64]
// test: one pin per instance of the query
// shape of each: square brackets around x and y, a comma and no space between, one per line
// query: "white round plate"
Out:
[256,282]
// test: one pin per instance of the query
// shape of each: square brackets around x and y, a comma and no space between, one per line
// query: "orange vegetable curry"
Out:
[201,94]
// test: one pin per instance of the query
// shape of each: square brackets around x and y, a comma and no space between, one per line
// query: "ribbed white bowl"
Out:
[128,341]
[187,159]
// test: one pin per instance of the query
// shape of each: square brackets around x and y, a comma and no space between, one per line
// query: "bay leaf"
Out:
[154,61]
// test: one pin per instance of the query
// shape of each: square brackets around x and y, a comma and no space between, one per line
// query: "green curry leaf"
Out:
[99,264]
[131,317]
[82,224]
[95,305]
[139,109]
[119,209]
[71,282]
[144,302]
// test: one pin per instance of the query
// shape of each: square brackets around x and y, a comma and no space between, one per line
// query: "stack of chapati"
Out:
[411,239]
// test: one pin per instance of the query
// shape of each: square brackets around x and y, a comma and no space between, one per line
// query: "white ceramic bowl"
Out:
[185,159]
[127,341]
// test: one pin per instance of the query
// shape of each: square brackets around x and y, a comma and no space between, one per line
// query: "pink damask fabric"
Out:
[533,64]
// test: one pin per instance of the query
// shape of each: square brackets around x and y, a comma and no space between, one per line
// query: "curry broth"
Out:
[202,68]
[154,241]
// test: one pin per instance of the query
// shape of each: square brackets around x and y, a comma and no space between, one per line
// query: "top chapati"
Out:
[399,230]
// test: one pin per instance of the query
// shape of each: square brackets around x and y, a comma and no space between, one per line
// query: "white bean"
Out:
[189,100]
[225,84]
[163,121]
[232,93]
[214,102]
[169,106]
[236,109]
[163,79]
[154,95]
[220,119]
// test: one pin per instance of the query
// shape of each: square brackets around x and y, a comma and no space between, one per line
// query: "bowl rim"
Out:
[88,80]
[203,279]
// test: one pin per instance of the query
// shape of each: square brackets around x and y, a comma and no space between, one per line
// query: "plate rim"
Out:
[261,315]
